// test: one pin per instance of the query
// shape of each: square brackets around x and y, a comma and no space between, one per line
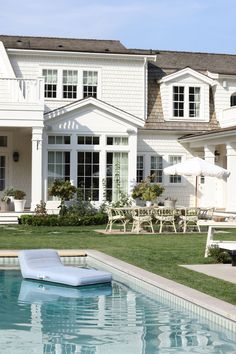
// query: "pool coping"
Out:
[207,302]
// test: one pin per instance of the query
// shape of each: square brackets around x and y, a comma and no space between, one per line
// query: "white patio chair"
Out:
[189,219]
[116,215]
[165,217]
[142,217]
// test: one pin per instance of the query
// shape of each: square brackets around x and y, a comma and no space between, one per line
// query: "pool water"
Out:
[39,317]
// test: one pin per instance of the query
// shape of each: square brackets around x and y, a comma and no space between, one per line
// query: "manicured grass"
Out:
[160,254]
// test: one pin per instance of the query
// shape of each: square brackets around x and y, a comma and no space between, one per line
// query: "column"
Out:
[231,180]
[36,179]
[209,191]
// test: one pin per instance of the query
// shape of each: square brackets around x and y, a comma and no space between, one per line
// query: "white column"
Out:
[231,166]
[209,191]
[36,179]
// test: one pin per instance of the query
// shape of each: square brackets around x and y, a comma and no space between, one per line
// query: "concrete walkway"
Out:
[220,271]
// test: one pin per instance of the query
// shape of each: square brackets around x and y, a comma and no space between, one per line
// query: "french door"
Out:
[3,174]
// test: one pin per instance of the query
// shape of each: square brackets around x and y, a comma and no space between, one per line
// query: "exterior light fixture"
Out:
[16,156]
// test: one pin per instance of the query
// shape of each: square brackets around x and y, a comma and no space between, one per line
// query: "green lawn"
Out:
[160,254]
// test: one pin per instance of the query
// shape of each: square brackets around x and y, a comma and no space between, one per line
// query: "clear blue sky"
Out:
[189,25]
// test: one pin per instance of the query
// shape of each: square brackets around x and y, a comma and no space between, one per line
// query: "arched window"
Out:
[233,99]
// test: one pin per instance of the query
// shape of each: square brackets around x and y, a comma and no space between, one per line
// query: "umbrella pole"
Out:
[196,193]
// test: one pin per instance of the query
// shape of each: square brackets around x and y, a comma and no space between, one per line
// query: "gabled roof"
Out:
[188,71]
[56,113]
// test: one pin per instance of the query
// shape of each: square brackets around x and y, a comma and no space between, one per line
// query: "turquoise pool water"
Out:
[37,317]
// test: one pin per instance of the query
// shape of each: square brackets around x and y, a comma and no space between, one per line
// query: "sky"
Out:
[182,25]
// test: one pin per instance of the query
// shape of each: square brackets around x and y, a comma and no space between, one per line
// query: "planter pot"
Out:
[11,204]
[4,206]
[19,204]
[148,203]
[139,202]
[169,203]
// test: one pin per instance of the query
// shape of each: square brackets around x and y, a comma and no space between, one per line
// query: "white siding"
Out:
[121,84]
[165,146]
[222,96]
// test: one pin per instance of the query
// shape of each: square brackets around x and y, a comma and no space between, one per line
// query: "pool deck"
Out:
[208,303]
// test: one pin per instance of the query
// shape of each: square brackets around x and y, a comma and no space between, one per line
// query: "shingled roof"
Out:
[173,60]
[64,44]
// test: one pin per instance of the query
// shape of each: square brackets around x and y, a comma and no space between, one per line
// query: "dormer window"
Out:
[186,101]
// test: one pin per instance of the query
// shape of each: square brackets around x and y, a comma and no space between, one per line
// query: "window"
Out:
[2,172]
[186,101]
[90,83]
[88,174]
[88,140]
[3,141]
[178,101]
[116,175]
[140,169]
[194,101]
[156,169]
[117,140]
[59,139]
[172,161]
[233,99]
[50,85]
[58,166]
[70,82]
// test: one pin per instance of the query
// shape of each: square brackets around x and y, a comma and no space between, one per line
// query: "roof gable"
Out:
[187,71]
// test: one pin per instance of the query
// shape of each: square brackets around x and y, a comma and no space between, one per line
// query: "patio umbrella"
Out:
[196,167]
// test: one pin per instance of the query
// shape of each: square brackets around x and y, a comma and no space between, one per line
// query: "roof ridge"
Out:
[159,51]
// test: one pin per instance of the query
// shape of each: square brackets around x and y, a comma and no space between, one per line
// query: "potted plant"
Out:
[5,201]
[170,202]
[147,191]
[64,190]
[19,201]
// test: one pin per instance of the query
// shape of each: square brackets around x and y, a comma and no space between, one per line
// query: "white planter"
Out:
[148,203]
[169,203]
[19,204]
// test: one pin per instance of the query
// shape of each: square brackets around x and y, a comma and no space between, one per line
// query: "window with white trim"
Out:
[2,172]
[186,101]
[88,140]
[69,83]
[50,83]
[156,168]
[90,83]
[117,140]
[174,179]
[140,169]
[88,174]
[58,166]
[59,139]
[3,141]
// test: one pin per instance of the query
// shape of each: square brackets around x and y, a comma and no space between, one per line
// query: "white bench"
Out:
[225,245]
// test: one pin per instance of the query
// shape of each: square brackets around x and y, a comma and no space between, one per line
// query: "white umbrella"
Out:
[196,167]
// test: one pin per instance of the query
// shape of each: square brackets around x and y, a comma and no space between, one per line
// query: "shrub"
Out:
[147,190]
[218,255]
[66,220]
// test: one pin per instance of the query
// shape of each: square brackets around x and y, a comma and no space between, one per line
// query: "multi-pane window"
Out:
[233,99]
[88,140]
[59,139]
[156,169]
[58,166]
[88,174]
[172,161]
[70,82]
[178,101]
[116,175]
[140,169]
[50,84]
[194,101]
[117,140]
[90,83]
[2,172]
[3,141]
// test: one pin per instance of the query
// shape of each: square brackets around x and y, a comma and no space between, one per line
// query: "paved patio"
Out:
[220,271]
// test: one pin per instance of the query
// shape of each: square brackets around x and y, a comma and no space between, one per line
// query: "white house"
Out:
[89,110]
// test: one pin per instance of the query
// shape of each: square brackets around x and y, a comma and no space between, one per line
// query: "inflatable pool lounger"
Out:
[45,264]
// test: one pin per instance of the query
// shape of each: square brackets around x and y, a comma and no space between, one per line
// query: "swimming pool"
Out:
[39,317]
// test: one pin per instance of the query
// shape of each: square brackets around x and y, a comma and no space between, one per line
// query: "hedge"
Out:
[67,220]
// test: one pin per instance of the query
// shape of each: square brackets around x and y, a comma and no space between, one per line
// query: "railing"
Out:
[27,91]
[228,117]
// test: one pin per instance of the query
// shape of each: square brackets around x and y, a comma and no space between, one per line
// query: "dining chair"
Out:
[189,219]
[142,217]
[165,217]
[116,215]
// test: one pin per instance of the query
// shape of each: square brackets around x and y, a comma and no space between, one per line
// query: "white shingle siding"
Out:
[121,82]
[165,146]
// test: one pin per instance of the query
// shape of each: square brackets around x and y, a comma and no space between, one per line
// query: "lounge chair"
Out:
[45,264]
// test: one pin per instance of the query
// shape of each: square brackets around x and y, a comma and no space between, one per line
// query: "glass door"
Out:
[2,172]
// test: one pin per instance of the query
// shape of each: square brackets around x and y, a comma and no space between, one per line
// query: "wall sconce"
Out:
[217,155]
[16,156]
